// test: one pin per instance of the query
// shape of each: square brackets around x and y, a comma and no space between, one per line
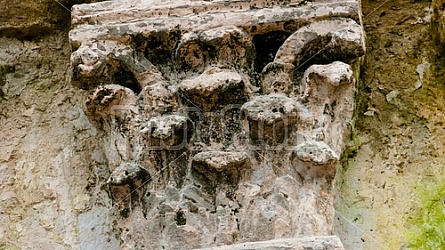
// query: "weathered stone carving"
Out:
[216,88]
[329,242]
[232,113]
[340,38]
[278,78]
[167,131]
[272,118]
[111,62]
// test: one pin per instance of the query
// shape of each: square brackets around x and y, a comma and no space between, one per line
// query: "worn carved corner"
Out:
[224,121]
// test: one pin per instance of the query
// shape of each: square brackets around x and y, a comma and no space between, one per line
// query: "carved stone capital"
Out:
[229,115]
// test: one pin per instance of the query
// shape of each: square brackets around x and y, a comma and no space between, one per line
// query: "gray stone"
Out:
[110,62]
[277,78]
[327,91]
[158,99]
[167,130]
[302,243]
[94,229]
[317,79]
[221,161]
[125,173]
[110,100]
[216,88]
[215,114]
[226,46]
[316,152]
[120,19]
[271,118]
[271,108]
[194,194]
[342,39]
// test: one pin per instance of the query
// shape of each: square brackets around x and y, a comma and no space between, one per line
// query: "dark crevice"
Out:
[180,218]
[266,46]
[125,78]
[322,51]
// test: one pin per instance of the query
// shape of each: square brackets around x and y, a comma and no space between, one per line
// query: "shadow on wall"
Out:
[31,20]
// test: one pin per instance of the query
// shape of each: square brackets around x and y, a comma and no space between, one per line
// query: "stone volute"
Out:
[223,121]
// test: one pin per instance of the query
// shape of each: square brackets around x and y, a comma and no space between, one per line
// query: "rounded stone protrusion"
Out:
[277,78]
[328,92]
[220,160]
[167,132]
[317,152]
[111,102]
[213,169]
[216,88]
[319,81]
[339,39]
[271,118]
[224,46]
[127,173]
[158,99]
[110,62]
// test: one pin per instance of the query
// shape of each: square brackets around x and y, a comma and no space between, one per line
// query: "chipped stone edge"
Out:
[329,242]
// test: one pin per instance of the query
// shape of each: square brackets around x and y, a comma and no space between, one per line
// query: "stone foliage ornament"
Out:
[223,121]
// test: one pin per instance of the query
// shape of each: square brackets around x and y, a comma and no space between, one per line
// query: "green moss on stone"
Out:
[6,246]
[426,229]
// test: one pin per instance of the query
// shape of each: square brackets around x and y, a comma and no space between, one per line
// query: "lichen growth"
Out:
[6,246]
[353,142]
[426,228]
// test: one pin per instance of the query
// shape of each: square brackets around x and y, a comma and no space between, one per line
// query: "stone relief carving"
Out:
[224,121]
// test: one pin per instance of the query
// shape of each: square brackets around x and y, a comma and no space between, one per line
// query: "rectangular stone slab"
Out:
[117,20]
[303,243]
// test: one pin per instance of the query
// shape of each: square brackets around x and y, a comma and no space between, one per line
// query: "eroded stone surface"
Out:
[115,20]
[317,152]
[223,46]
[307,243]
[271,118]
[167,130]
[343,38]
[277,78]
[271,108]
[220,161]
[110,62]
[240,142]
[126,173]
[216,88]
[328,91]
[105,100]
[157,99]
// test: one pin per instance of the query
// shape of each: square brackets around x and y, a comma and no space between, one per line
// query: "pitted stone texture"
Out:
[109,62]
[219,172]
[271,108]
[222,46]
[111,101]
[157,99]
[317,76]
[167,130]
[113,109]
[214,58]
[316,152]
[303,243]
[216,88]
[277,78]
[271,118]
[221,161]
[126,173]
[342,39]
[328,92]
[119,19]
